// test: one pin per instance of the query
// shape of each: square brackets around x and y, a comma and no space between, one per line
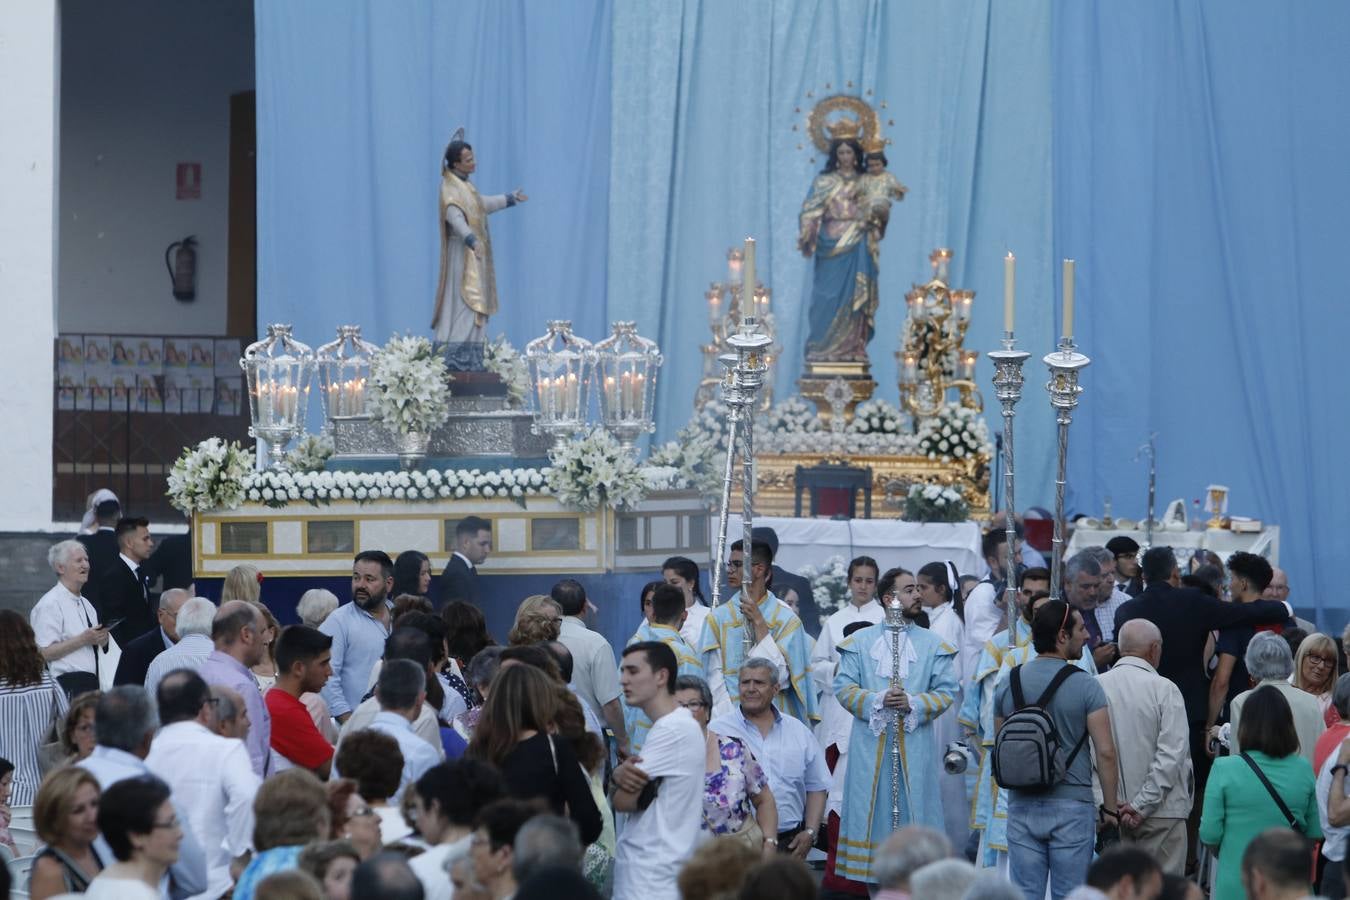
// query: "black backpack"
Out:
[1028,752]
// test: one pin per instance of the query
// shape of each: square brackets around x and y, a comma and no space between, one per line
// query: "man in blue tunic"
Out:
[771,626]
[924,669]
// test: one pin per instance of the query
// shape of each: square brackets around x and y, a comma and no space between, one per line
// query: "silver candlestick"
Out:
[1065,364]
[1008,388]
[1150,447]
[740,388]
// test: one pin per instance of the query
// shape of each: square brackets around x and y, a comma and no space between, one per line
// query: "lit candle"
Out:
[963,301]
[573,397]
[748,275]
[911,368]
[638,387]
[334,405]
[610,398]
[1068,298]
[734,266]
[915,301]
[714,297]
[1009,286]
[968,358]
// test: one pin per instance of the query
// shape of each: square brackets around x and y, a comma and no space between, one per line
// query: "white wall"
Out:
[29,59]
[145,84]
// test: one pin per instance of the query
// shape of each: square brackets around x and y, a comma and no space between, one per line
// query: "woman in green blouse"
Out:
[1238,806]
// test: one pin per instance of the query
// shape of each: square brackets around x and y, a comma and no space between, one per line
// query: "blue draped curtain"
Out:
[1190,155]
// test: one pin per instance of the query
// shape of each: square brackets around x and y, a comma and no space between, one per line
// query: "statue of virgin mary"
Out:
[838,227]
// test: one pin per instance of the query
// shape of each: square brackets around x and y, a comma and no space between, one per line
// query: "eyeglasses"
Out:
[362,812]
[1321,662]
[171,824]
[695,704]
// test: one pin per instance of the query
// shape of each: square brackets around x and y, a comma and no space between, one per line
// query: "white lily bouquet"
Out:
[594,471]
[509,365]
[409,388]
[829,584]
[697,459]
[311,454]
[956,432]
[209,476]
[936,503]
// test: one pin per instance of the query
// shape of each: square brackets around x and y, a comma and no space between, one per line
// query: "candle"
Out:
[911,368]
[611,401]
[963,302]
[1068,298]
[968,358]
[638,387]
[626,392]
[714,297]
[734,266]
[748,276]
[334,405]
[573,396]
[1009,286]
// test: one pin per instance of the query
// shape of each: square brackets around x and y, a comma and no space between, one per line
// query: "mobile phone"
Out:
[113,624]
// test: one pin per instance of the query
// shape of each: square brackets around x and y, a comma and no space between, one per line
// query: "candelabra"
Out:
[745,369]
[625,365]
[1065,363]
[560,369]
[1008,388]
[344,373]
[1151,448]
[931,358]
[726,312]
[277,369]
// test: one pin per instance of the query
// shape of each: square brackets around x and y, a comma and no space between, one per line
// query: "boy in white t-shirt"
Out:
[657,839]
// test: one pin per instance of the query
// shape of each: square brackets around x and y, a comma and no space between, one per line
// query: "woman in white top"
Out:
[140,826]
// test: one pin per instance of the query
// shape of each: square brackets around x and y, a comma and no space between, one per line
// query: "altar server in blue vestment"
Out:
[668,614]
[928,687]
[777,636]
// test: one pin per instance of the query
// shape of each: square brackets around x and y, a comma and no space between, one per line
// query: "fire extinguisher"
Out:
[183,268]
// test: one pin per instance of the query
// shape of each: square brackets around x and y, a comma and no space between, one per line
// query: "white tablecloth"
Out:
[1223,542]
[891,542]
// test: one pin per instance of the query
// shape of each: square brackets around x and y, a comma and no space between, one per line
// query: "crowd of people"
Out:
[1144,734]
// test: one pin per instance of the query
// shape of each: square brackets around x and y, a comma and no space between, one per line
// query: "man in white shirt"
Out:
[788,751]
[594,674]
[193,625]
[211,777]
[984,612]
[661,831]
[401,692]
[124,725]
[66,625]
[682,572]
[1148,722]
[1109,597]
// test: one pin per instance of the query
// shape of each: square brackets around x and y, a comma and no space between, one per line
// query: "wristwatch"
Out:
[810,831]
[1339,767]
[771,841]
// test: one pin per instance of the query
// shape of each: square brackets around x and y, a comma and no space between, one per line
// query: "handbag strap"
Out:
[1270,788]
[553,751]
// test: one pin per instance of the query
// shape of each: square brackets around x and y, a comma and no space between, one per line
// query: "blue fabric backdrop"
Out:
[1189,155]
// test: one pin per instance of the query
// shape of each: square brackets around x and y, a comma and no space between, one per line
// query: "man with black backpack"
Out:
[1044,715]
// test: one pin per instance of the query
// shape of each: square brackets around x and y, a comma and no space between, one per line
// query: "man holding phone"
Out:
[66,624]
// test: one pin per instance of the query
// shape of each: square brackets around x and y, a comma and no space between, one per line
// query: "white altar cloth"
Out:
[891,542]
[1223,542]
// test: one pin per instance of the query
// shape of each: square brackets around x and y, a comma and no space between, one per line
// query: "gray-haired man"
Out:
[788,751]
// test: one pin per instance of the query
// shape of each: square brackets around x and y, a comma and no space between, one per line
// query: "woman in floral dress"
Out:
[736,790]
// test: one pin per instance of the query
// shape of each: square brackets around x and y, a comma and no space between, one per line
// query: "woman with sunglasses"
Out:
[736,790]
[1316,669]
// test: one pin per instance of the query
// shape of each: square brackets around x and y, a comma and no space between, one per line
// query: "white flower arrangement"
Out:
[956,432]
[697,458]
[876,416]
[793,416]
[209,476]
[311,454]
[595,471]
[838,442]
[711,420]
[409,390]
[829,584]
[280,487]
[510,366]
[936,503]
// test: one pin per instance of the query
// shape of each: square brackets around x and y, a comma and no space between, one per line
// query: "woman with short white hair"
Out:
[315,605]
[66,625]
[1270,662]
